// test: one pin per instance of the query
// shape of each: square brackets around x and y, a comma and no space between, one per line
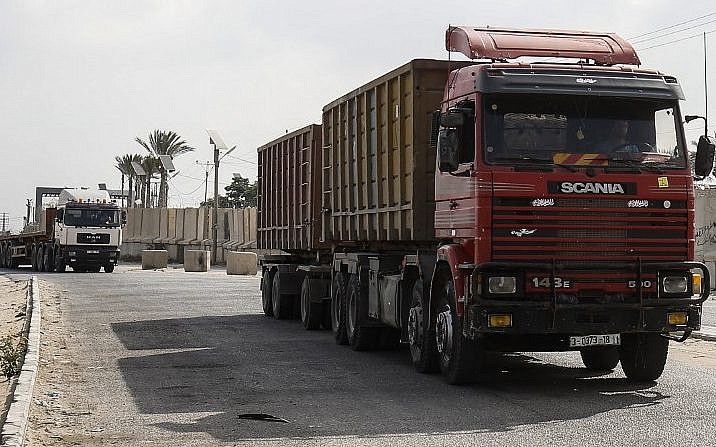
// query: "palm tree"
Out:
[164,142]
[150,165]
[124,165]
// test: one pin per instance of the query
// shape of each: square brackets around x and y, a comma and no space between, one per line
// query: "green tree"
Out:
[241,193]
[223,202]
[164,142]
[150,165]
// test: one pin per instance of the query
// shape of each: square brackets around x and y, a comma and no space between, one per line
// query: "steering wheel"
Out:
[643,147]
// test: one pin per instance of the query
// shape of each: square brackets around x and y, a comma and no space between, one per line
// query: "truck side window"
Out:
[467,132]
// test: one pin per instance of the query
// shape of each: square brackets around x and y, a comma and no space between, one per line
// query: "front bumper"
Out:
[83,254]
[553,315]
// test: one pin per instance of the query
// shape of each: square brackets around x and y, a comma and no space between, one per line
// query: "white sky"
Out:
[79,80]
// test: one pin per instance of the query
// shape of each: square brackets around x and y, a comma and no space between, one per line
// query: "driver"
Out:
[617,139]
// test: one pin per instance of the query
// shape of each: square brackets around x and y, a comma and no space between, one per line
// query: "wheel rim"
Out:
[443,333]
[351,321]
[335,305]
[305,297]
[415,326]
[275,296]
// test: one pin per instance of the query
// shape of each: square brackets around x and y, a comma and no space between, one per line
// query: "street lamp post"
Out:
[218,143]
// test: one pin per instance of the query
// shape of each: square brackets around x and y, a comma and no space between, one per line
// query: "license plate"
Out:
[582,341]
[93,252]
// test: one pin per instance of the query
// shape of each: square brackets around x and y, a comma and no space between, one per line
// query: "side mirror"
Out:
[704,156]
[452,118]
[448,148]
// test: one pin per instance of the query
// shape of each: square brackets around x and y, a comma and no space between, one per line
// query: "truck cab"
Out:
[564,201]
[87,230]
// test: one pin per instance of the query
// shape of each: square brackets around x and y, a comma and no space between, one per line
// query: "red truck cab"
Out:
[564,203]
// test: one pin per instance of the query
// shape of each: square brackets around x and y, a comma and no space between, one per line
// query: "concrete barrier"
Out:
[154,259]
[241,263]
[197,260]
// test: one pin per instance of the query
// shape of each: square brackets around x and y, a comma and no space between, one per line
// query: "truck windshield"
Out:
[582,131]
[91,217]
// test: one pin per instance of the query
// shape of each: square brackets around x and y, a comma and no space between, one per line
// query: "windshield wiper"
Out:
[634,164]
[540,161]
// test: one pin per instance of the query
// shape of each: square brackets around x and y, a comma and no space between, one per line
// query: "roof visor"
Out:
[495,43]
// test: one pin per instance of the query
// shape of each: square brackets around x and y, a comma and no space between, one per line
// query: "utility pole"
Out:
[706,92]
[218,143]
[3,219]
[206,164]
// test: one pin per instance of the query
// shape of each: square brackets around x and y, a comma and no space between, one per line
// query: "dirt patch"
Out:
[12,319]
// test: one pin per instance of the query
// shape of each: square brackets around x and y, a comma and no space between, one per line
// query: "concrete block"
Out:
[197,260]
[241,263]
[154,259]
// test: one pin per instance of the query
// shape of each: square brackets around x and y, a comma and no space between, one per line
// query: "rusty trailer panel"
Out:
[378,165]
[289,191]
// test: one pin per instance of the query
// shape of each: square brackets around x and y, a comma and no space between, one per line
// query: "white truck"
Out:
[84,232]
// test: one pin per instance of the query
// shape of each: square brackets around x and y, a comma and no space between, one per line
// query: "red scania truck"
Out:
[492,204]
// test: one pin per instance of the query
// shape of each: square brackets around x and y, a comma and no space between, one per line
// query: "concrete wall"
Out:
[705,213]
[177,229]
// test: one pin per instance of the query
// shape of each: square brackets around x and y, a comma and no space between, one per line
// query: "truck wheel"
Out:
[60,264]
[3,256]
[49,259]
[600,358]
[33,258]
[109,268]
[40,258]
[361,338]
[459,357]
[266,287]
[280,303]
[643,356]
[421,334]
[338,308]
[310,312]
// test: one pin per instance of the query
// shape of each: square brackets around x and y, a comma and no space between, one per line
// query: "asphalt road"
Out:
[173,358]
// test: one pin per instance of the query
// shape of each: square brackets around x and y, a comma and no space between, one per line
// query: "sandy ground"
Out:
[12,318]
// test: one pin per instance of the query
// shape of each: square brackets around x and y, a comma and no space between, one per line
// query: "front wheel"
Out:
[109,268]
[600,358]
[643,356]
[60,264]
[459,357]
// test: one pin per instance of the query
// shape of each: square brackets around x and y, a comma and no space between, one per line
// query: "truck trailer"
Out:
[492,205]
[83,231]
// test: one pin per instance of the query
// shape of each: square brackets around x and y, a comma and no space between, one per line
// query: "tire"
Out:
[600,358]
[33,258]
[3,254]
[60,264]
[459,358]
[109,268]
[421,333]
[338,308]
[643,356]
[281,303]
[311,312]
[41,258]
[49,259]
[360,337]
[266,286]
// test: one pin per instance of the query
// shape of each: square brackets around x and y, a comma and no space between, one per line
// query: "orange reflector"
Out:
[500,321]
[676,318]
[696,283]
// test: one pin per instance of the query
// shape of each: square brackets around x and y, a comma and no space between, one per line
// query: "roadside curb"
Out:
[13,430]
[706,333]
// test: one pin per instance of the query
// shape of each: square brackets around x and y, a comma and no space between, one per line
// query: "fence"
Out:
[176,229]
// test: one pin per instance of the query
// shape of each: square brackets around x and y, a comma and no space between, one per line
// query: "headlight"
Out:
[502,284]
[675,284]
[72,253]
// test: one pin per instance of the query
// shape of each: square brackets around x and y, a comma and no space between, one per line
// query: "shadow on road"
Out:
[229,365]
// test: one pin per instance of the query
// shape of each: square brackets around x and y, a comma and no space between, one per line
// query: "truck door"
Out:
[455,185]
